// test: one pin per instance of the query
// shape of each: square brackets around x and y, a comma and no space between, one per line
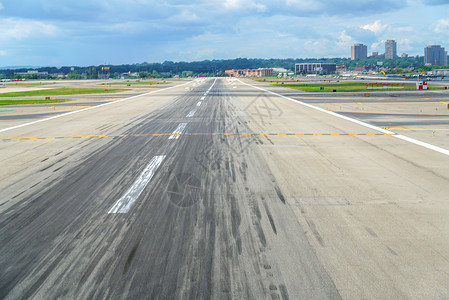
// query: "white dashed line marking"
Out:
[199,103]
[124,204]
[191,113]
[177,131]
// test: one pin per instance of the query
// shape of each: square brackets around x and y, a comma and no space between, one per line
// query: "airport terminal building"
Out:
[250,72]
[315,68]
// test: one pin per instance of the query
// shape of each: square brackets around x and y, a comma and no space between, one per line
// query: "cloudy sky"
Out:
[92,32]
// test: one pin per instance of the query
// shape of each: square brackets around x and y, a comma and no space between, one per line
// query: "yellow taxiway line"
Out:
[195,134]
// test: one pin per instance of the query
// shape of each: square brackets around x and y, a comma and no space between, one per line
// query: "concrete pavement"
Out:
[230,192]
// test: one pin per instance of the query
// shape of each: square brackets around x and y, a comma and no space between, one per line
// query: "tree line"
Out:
[206,67]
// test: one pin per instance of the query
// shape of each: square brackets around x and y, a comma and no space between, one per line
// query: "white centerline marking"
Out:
[88,108]
[177,131]
[398,136]
[199,103]
[202,98]
[212,85]
[124,204]
[191,113]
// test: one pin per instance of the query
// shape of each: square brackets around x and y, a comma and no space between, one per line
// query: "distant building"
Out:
[435,55]
[32,72]
[250,72]
[315,68]
[441,72]
[391,49]
[342,68]
[129,74]
[377,55]
[280,70]
[404,55]
[359,51]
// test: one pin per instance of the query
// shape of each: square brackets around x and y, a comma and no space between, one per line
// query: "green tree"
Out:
[92,73]
[185,74]
[144,74]
[74,76]
[156,74]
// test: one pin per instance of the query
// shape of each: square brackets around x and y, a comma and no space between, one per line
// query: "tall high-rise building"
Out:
[435,55]
[390,49]
[359,51]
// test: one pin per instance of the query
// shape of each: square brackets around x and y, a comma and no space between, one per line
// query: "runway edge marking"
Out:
[402,137]
[124,204]
[88,108]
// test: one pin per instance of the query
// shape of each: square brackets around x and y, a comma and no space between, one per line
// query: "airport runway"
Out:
[217,189]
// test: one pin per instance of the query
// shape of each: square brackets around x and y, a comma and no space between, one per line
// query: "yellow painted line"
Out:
[212,134]
[444,102]
[359,103]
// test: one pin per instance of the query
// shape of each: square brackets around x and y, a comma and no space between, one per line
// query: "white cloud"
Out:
[207,37]
[344,40]
[402,29]
[404,44]
[377,27]
[280,34]
[320,48]
[305,5]
[185,16]
[375,46]
[442,26]
[3,53]
[105,29]
[18,29]
[242,4]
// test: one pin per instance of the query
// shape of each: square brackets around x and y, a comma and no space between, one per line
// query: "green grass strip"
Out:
[33,83]
[349,87]
[61,91]
[32,101]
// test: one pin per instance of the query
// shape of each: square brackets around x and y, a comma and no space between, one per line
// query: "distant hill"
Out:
[18,67]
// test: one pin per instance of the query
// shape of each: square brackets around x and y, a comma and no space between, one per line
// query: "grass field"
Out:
[348,87]
[272,79]
[33,83]
[136,83]
[61,92]
[31,101]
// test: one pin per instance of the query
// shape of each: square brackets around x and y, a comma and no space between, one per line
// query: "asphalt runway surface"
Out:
[217,189]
